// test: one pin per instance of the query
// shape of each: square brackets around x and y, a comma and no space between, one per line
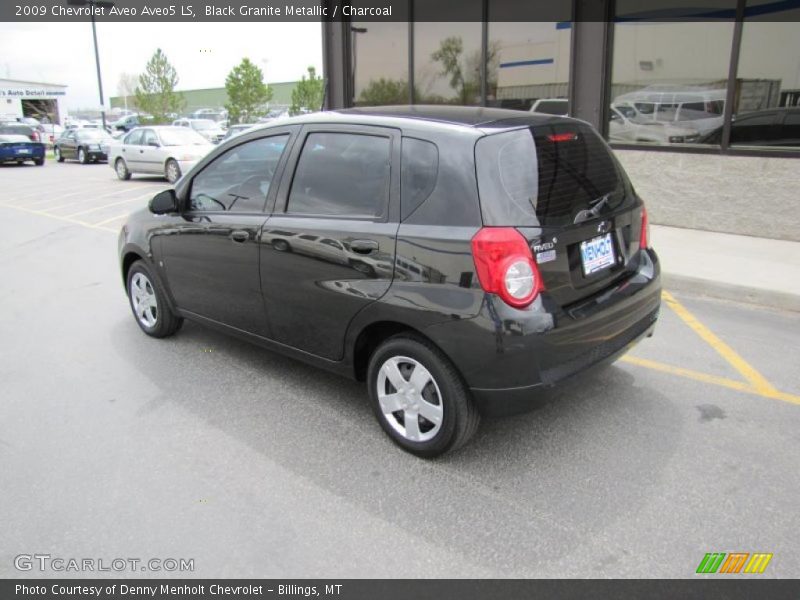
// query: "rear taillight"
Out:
[644,234]
[505,266]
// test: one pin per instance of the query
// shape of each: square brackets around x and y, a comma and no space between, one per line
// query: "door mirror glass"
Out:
[164,202]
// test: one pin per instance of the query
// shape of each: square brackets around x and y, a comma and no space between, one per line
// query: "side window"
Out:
[419,172]
[342,174]
[134,138]
[149,138]
[239,180]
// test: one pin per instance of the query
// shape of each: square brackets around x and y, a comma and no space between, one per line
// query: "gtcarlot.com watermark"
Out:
[58,564]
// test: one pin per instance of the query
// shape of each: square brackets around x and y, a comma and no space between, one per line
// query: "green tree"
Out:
[156,93]
[384,91]
[247,92]
[308,93]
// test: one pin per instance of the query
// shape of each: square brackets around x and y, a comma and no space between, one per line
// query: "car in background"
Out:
[235,130]
[683,106]
[208,128]
[777,127]
[19,148]
[551,106]
[84,145]
[17,128]
[158,150]
[126,123]
[622,127]
[49,132]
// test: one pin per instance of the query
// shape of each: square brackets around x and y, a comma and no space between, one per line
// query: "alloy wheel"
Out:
[143,297]
[410,399]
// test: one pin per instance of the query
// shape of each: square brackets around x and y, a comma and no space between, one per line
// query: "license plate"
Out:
[597,254]
[23,150]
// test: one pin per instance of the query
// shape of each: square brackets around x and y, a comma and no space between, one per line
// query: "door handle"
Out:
[363,246]
[141,151]
[240,236]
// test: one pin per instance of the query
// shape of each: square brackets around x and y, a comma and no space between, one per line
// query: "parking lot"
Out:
[113,444]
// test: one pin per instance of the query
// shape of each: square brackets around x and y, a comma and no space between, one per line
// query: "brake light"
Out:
[505,266]
[562,137]
[644,234]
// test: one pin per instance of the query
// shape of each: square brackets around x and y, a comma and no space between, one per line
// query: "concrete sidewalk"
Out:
[733,267]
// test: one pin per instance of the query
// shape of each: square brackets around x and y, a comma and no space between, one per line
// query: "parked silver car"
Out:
[209,129]
[165,150]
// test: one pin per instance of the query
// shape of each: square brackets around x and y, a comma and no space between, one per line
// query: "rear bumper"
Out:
[507,355]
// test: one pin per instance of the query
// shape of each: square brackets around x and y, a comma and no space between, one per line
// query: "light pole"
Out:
[92,5]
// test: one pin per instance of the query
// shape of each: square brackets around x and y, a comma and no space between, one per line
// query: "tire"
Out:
[172,171]
[38,162]
[58,155]
[82,156]
[122,170]
[444,396]
[149,302]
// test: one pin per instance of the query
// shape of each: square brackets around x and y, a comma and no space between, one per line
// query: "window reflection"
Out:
[380,63]
[669,81]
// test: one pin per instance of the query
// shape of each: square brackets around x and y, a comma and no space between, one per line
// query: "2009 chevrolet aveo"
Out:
[457,259]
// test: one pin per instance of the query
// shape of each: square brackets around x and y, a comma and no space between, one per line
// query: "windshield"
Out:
[93,134]
[179,136]
[201,124]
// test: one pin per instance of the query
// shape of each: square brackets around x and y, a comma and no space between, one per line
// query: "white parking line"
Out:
[112,219]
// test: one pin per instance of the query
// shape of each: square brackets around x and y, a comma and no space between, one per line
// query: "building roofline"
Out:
[63,85]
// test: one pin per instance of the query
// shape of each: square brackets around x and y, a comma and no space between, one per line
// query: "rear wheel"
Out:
[149,303]
[419,398]
[38,161]
[172,171]
[57,154]
[122,169]
[82,156]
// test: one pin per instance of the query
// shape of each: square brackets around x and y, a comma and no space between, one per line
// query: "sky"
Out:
[202,53]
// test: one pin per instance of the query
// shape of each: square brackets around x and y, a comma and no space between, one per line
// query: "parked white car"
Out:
[551,106]
[164,150]
[623,127]
[683,106]
[206,127]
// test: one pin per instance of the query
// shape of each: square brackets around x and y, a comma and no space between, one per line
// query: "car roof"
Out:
[473,120]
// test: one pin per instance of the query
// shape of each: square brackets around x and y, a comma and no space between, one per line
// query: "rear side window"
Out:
[420,169]
[342,174]
[545,176]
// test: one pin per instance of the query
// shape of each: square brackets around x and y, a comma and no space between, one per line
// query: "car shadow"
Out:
[590,455]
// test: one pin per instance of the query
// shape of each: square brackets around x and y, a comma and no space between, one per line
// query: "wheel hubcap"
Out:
[172,172]
[121,169]
[143,298]
[409,399]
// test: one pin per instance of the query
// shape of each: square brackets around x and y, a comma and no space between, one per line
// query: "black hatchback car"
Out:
[456,259]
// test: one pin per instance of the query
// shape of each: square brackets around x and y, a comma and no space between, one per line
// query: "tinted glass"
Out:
[546,176]
[342,174]
[238,180]
[419,171]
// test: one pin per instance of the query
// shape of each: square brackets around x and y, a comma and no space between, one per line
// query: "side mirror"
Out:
[154,144]
[164,202]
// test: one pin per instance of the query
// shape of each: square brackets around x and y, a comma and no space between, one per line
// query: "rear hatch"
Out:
[562,188]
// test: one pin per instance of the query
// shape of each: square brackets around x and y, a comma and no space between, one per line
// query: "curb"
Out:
[728,291]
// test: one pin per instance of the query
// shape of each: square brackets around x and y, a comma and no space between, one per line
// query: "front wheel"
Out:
[172,171]
[122,170]
[149,303]
[419,398]
[82,156]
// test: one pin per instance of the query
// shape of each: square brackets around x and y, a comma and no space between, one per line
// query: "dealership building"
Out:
[702,108]
[32,99]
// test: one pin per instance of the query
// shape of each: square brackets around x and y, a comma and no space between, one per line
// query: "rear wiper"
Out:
[594,212]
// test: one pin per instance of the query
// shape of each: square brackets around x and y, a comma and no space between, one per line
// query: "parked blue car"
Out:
[18,148]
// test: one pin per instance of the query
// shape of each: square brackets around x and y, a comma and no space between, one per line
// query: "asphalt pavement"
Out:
[115,445]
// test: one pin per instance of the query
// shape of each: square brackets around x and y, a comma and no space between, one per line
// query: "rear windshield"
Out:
[547,176]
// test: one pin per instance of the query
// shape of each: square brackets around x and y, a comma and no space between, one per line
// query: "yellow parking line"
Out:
[95,208]
[41,213]
[732,384]
[755,378]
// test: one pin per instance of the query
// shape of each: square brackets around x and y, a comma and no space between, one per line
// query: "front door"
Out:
[328,250]
[210,251]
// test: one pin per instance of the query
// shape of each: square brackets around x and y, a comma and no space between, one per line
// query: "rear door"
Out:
[328,250]
[150,153]
[131,150]
[560,185]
